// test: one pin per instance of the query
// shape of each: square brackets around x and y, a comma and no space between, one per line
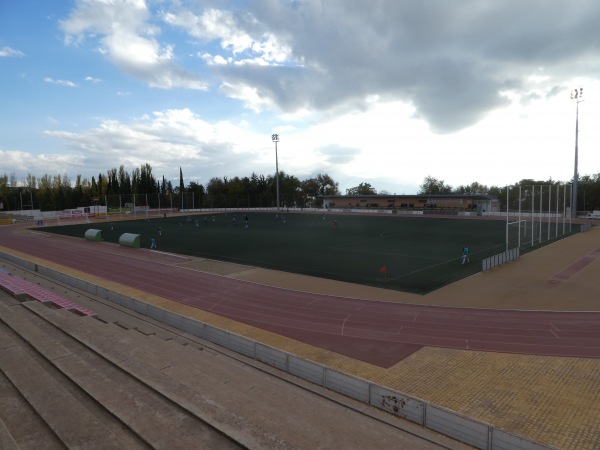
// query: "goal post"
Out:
[518,232]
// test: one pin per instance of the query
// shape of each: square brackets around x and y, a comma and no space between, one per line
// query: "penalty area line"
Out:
[169,254]
[41,233]
[424,268]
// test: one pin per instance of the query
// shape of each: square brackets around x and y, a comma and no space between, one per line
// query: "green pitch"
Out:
[420,254]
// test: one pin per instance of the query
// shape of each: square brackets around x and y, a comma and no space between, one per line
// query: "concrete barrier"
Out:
[271,356]
[458,427]
[307,370]
[348,385]
[397,404]
[500,258]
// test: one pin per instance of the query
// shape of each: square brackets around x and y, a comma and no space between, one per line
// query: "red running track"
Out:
[379,333]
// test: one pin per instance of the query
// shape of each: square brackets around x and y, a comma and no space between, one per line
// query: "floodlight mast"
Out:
[275,138]
[576,94]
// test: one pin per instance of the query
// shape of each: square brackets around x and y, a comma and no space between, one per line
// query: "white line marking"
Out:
[170,254]
[344,323]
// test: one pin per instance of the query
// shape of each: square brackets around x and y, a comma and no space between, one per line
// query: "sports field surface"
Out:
[411,254]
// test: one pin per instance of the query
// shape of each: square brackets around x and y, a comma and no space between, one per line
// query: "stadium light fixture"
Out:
[275,138]
[576,94]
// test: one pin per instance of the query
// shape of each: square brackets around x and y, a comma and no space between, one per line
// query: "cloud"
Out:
[23,163]
[233,32]
[6,52]
[336,155]
[92,79]
[343,75]
[129,41]
[166,140]
[455,62]
[66,83]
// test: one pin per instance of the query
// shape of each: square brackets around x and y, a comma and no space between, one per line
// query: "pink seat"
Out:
[16,285]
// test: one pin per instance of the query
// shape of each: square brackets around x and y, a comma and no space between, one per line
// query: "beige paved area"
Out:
[552,400]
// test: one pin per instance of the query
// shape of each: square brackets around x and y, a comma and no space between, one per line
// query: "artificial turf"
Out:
[419,254]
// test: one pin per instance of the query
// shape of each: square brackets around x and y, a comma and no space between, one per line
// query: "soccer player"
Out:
[465,254]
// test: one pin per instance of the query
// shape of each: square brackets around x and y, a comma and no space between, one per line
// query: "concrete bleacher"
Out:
[20,287]
[87,383]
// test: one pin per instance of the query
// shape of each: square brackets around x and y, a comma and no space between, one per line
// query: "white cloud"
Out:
[228,29]
[6,52]
[252,98]
[22,163]
[166,140]
[66,83]
[451,61]
[385,145]
[128,41]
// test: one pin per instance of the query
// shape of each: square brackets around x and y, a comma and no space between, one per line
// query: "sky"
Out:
[385,92]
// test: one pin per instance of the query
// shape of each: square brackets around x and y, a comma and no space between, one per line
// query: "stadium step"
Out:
[7,441]
[133,358]
[108,340]
[260,411]
[201,382]
[141,409]
[63,415]
[20,425]
[130,320]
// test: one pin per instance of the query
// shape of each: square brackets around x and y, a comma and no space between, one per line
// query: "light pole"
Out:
[275,138]
[576,94]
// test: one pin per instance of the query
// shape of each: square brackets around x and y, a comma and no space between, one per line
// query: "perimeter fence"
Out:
[157,204]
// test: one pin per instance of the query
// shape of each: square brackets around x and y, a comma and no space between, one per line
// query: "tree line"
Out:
[59,192]
[588,192]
